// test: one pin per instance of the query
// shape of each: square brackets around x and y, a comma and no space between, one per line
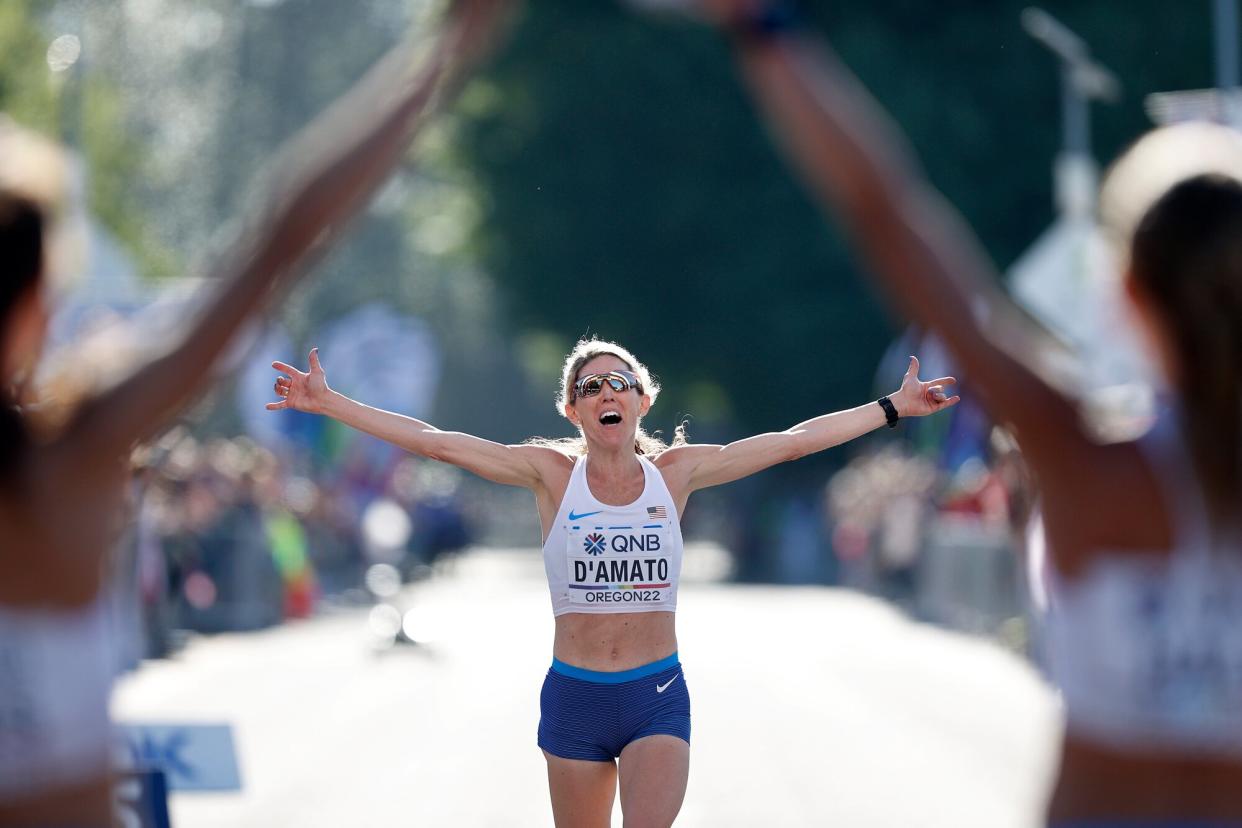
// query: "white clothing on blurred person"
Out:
[1147,649]
[56,671]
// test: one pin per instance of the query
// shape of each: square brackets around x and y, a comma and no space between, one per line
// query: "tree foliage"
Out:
[633,193]
[81,108]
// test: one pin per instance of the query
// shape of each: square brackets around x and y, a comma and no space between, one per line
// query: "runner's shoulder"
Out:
[685,454]
[545,459]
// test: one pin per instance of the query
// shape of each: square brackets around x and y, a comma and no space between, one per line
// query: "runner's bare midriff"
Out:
[609,642]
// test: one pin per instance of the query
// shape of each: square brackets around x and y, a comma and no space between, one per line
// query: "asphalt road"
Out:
[812,706]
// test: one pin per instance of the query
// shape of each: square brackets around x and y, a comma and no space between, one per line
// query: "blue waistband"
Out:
[614,678]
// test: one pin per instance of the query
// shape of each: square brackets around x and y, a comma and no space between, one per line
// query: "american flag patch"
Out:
[657,512]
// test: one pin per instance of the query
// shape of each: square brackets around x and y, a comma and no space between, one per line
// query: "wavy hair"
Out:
[649,445]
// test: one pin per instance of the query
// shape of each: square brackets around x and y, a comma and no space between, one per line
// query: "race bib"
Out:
[618,565]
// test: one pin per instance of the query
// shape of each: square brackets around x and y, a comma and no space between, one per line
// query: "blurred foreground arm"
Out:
[855,161]
[319,181]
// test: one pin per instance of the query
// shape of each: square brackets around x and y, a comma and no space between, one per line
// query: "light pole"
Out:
[1225,28]
[1082,81]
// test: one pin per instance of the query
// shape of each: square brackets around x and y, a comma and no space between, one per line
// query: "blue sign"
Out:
[193,757]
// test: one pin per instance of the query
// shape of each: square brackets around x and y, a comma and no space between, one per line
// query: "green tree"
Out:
[633,192]
[82,109]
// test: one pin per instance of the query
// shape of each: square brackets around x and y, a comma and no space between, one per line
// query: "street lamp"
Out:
[1225,27]
[1082,81]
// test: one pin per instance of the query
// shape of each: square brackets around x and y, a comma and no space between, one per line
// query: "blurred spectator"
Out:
[877,508]
[226,537]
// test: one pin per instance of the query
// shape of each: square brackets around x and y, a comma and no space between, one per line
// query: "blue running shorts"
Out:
[585,714]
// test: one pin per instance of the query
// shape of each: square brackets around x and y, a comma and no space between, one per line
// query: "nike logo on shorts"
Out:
[572,516]
[660,688]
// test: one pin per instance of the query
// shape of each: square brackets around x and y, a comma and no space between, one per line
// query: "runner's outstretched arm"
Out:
[700,466]
[319,181]
[519,465]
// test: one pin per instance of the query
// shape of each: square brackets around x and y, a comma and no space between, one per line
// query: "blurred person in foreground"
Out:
[609,504]
[63,479]
[1144,537]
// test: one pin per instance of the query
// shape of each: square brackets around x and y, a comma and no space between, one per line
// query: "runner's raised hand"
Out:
[300,390]
[918,398]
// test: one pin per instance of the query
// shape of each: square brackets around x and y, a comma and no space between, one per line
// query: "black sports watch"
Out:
[890,411]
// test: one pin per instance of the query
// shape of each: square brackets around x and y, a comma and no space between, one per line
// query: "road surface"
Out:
[812,706]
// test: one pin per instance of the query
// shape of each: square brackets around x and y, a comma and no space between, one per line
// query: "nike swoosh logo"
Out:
[660,688]
[572,516]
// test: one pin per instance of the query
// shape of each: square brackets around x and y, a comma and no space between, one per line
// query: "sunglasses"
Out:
[592,384]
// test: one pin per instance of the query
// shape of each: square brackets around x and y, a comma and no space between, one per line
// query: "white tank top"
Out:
[602,558]
[1147,649]
[56,674]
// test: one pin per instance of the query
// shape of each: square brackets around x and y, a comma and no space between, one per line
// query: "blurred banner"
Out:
[198,757]
[373,353]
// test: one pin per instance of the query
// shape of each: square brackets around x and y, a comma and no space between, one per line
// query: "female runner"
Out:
[62,486]
[1144,537]
[610,504]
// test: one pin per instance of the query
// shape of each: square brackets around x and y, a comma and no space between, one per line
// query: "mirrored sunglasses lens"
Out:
[590,386]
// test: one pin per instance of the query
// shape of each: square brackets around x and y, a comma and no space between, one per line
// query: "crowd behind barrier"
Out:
[225,536]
